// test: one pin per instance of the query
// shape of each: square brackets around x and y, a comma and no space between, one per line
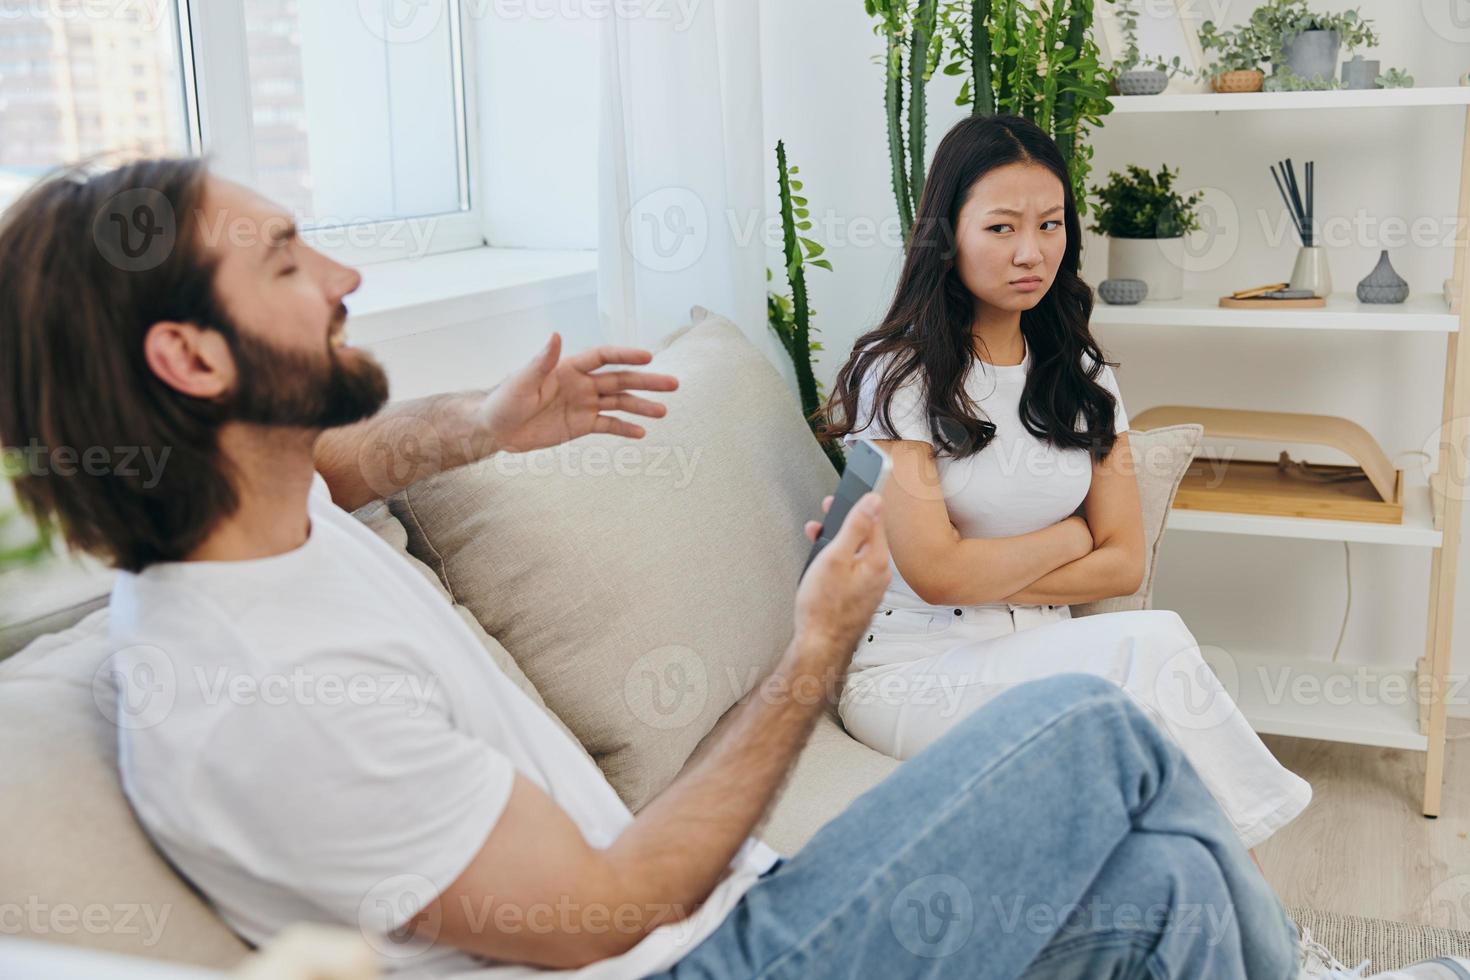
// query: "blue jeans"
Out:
[1054,833]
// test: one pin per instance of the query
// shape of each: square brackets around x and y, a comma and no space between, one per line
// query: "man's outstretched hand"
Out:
[554,399]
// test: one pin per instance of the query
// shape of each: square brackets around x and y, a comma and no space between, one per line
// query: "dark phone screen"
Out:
[864,463]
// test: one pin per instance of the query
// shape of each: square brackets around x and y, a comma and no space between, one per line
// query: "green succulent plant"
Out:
[1138,204]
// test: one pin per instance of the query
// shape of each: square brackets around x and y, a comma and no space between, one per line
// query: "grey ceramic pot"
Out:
[1313,54]
[1383,284]
[1359,73]
[1122,292]
[1142,81]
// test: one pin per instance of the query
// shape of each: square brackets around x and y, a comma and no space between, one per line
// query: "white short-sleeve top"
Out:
[1016,484]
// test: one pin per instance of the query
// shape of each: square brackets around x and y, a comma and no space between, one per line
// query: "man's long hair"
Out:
[88,263]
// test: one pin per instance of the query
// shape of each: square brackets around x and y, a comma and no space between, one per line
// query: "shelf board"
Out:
[1383,98]
[1303,698]
[1417,530]
[1421,312]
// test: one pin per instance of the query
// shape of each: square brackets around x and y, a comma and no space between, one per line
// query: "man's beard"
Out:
[292,388]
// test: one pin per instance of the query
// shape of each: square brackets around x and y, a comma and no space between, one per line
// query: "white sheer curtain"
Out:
[682,170]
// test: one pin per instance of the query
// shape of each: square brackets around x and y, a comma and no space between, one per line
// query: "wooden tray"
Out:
[1251,487]
[1310,303]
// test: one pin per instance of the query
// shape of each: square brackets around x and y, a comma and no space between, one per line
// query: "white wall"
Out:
[824,97]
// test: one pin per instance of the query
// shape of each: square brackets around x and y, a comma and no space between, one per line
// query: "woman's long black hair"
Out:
[928,328]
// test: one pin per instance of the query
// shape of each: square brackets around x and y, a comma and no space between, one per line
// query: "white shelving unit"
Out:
[1285,693]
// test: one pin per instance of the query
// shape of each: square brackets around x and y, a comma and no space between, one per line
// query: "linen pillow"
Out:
[1160,458]
[72,847]
[644,587]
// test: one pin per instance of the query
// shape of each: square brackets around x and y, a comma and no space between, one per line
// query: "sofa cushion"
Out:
[72,848]
[832,770]
[49,598]
[643,586]
[1160,458]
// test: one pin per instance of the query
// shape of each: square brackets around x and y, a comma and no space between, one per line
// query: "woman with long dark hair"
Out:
[1013,494]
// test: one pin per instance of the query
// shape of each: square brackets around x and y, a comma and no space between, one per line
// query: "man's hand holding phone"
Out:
[841,588]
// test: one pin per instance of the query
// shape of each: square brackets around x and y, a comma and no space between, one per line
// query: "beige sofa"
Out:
[637,591]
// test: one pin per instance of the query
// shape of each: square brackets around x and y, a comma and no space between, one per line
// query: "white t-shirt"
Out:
[1015,485]
[317,736]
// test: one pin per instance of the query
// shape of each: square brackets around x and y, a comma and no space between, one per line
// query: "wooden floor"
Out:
[1363,847]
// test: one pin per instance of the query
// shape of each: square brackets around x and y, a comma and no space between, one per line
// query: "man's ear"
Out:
[190,360]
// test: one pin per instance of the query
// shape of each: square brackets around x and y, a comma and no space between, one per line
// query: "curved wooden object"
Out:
[1319,430]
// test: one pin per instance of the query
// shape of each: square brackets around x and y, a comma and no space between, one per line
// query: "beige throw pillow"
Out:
[644,587]
[1160,458]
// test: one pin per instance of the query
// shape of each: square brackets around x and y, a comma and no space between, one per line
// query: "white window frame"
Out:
[217,101]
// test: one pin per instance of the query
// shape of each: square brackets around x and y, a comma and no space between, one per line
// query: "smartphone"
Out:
[867,468]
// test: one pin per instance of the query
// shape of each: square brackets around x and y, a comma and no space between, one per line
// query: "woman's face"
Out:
[1011,236]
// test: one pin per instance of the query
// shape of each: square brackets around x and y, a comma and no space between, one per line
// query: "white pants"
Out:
[917,672]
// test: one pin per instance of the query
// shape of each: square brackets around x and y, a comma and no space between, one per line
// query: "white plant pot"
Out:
[1157,261]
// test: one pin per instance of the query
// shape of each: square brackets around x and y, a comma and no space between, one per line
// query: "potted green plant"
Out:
[1135,74]
[1145,220]
[1306,44]
[1236,56]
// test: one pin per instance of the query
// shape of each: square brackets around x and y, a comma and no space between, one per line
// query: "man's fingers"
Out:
[826,503]
[812,529]
[550,354]
[596,357]
[633,404]
[619,427]
[612,382]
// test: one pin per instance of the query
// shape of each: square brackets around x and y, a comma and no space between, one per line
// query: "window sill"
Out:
[413,296]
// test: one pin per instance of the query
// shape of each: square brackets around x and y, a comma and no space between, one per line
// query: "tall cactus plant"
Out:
[1037,60]
[790,316]
[1032,58]
[913,47]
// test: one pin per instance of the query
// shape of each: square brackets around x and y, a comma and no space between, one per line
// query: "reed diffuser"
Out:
[1310,274]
